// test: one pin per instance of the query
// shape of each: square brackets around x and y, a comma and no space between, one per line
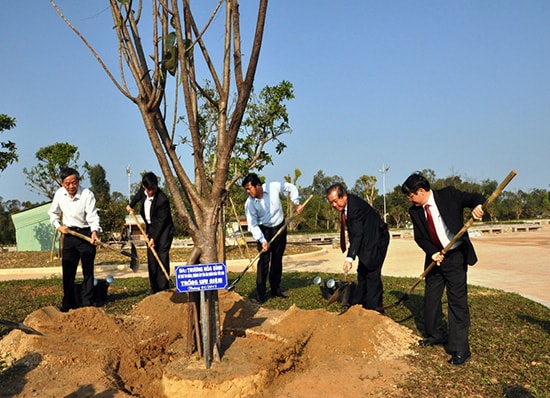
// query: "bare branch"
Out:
[92,50]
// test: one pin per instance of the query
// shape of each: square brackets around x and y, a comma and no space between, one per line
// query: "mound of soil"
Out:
[294,353]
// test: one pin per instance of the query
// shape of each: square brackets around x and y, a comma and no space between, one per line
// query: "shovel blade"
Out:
[134,263]
[20,326]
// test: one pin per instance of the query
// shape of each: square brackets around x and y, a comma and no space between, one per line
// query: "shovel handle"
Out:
[279,232]
[469,223]
[464,228]
[161,265]
[100,243]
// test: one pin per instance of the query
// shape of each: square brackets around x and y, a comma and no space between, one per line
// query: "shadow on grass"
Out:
[543,323]
[411,307]
[516,392]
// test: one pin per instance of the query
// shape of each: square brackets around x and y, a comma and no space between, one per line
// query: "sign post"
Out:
[200,278]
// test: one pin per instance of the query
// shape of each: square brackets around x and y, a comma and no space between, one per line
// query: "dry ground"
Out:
[295,353]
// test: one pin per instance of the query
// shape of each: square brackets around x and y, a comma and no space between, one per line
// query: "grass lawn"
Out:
[510,335]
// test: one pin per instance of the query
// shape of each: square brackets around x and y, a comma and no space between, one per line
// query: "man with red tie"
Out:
[368,241]
[437,215]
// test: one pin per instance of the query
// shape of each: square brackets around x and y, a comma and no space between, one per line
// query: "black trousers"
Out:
[369,291]
[157,279]
[450,275]
[75,250]
[270,263]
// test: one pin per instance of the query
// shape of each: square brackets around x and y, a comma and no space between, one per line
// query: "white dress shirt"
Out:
[79,211]
[268,211]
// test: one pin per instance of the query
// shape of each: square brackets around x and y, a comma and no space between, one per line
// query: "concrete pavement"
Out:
[515,262]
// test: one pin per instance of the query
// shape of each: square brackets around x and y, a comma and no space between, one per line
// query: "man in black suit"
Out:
[446,208]
[155,210]
[369,238]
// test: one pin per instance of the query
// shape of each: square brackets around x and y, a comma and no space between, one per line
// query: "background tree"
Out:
[7,232]
[324,216]
[44,177]
[111,208]
[365,187]
[9,153]
[293,225]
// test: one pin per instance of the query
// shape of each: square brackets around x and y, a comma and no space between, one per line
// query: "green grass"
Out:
[509,336]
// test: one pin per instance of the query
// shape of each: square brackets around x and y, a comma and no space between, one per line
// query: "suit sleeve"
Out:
[161,219]
[137,198]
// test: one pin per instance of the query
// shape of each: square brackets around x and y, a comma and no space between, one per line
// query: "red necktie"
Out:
[343,232]
[431,228]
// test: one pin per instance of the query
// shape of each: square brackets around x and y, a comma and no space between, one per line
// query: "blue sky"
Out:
[459,87]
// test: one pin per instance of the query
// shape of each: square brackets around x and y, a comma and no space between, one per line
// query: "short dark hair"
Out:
[414,182]
[253,179]
[68,171]
[149,180]
[338,187]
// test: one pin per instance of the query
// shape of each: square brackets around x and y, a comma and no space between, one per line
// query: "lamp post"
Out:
[384,170]
[129,174]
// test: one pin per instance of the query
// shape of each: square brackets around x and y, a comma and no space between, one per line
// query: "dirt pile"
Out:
[294,353]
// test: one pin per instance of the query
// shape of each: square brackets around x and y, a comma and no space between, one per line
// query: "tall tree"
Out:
[180,49]
[44,177]
[9,153]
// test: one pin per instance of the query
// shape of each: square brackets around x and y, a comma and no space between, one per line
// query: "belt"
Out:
[276,228]
[80,230]
[452,251]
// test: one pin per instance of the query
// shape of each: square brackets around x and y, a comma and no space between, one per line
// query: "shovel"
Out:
[20,326]
[279,232]
[134,262]
[161,265]
[459,234]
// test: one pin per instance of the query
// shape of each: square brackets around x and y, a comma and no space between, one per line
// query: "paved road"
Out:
[515,262]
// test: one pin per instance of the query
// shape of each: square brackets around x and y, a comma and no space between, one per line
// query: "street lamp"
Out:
[129,174]
[384,170]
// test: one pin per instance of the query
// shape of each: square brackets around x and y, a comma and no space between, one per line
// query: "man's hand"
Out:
[265,246]
[438,258]
[95,238]
[477,212]
[347,267]
[299,208]
[63,229]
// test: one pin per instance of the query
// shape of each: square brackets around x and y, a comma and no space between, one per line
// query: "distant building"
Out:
[33,231]
[132,229]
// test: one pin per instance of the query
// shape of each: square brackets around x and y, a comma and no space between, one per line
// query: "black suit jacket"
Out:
[368,233]
[161,227]
[451,204]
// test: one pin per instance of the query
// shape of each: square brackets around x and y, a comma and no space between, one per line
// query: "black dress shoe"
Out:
[460,357]
[64,308]
[431,341]
[280,294]
[261,299]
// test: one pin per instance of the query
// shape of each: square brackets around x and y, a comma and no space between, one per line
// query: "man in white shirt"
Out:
[74,208]
[265,216]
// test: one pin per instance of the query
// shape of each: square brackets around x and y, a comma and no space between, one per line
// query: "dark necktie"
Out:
[343,232]
[431,228]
